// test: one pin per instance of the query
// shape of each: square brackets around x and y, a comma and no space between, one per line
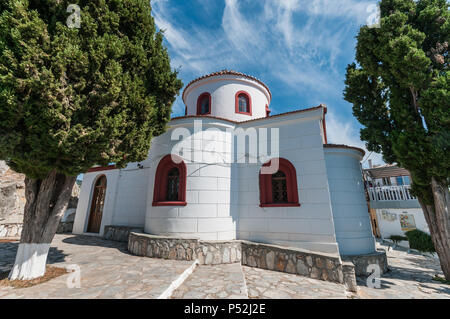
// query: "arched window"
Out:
[280,188]
[204,104]
[97,203]
[243,103]
[170,182]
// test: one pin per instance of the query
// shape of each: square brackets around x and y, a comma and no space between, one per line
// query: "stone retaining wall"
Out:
[290,260]
[119,233]
[293,261]
[10,230]
[15,229]
[361,262]
[65,228]
[206,252]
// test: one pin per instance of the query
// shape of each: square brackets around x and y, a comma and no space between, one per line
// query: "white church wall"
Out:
[309,226]
[223,94]
[207,214]
[85,200]
[125,199]
[350,211]
[131,197]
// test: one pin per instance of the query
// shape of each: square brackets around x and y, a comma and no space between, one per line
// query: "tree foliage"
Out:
[399,89]
[71,98]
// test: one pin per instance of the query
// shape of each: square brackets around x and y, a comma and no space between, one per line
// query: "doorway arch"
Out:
[97,203]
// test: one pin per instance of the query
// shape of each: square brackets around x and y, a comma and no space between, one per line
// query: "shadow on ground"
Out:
[8,253]
[95,241]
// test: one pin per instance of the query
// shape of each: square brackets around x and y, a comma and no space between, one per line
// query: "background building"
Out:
[393,209]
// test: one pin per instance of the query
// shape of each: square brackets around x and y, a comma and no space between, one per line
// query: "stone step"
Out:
[267,284]
[224,281]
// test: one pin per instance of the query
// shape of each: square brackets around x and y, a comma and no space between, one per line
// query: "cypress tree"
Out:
[72,98]
[399,89]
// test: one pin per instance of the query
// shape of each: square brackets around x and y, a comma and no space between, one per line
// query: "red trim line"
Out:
[199,105]
[325,130]
[160,186]
[280,205]
[252,120]
[267,111]
[103,168]
[236,99]
[265,186]
[169,204]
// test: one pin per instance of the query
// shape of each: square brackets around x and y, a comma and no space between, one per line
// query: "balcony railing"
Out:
[390,193]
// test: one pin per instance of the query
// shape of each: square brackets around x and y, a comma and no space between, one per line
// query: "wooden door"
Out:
[98,201]
[374,221]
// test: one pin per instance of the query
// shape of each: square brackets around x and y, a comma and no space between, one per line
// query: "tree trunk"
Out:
[46,202]
[438,219]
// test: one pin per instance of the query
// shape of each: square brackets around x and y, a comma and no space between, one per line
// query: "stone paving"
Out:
[266,284]
[214,282]
[107,271]
[410,276]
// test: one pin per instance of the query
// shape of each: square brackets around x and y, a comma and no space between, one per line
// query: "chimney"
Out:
[370,164]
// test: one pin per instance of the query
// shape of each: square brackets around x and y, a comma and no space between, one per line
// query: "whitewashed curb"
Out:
[179,281]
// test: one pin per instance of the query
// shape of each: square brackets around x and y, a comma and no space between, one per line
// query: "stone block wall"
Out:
[326,267]
[293,261]
[65,228]
[119,233]
[10,230]
[206,252]
[361,262]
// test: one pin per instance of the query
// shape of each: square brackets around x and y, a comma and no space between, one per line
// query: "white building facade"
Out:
[228,170]
[394,210]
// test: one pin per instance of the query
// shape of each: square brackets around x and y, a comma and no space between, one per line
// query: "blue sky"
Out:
[299,48]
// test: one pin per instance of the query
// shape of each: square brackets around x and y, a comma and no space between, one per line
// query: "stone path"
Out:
[214,282]
[107,271]
[266,284]
[410,277]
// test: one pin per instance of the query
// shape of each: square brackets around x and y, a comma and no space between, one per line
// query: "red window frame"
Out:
[200,98]
[160,186]
[267,111]
[265,186]
[237,103]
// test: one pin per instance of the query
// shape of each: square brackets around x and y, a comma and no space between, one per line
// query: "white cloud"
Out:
[295,43]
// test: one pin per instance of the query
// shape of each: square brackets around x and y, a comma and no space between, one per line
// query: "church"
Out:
[229,170]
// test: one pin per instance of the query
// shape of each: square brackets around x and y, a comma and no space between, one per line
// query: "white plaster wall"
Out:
[208,214]
[85,199]
[389,228]
[125,200]
[309,226]
[131,197]
[223,91]
[350,211]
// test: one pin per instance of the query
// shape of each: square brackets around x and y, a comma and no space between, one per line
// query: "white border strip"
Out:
[179,281]
[245,281]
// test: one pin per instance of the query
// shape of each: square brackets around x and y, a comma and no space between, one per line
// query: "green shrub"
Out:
[396,238]
[420,241]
